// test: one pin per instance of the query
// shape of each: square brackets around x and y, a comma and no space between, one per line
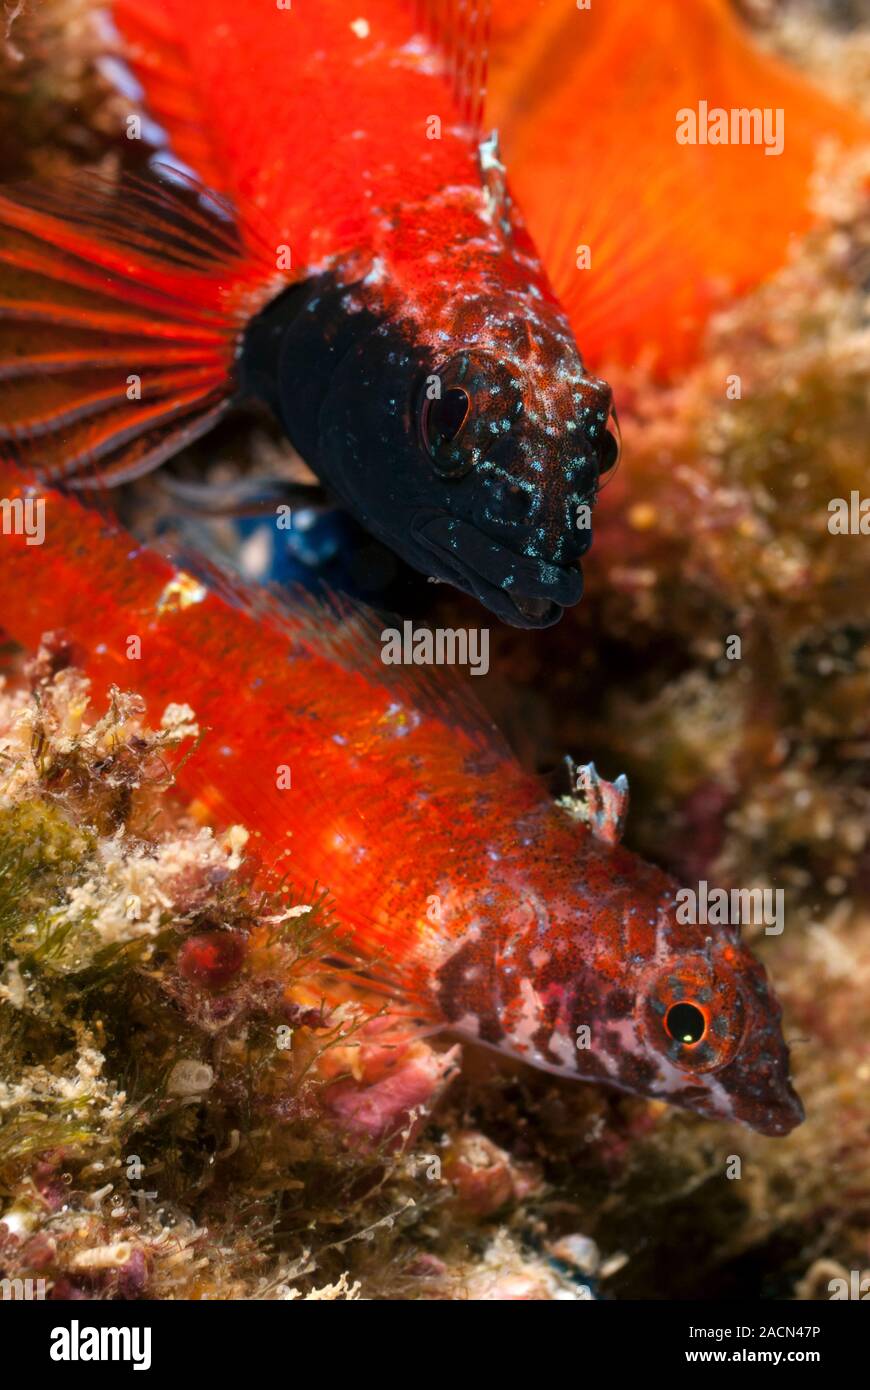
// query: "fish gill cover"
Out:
[300,963]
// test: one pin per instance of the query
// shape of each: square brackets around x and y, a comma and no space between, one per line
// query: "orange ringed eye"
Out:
[685,1023]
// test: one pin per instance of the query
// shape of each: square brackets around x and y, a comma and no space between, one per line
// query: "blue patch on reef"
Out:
[316,546]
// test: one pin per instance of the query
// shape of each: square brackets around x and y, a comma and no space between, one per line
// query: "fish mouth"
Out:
[521,591]
[780,1118]
[768,1104]
[773,1114]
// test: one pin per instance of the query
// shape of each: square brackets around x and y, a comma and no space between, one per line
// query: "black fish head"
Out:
[518,443]
[476,454]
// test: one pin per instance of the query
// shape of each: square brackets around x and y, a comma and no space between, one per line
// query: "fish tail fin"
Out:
[692,151]
[122,304]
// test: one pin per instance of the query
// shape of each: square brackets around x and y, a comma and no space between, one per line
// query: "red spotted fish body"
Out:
[481,906]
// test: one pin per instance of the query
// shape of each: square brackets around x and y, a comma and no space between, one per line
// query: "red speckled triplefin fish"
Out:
[485,907]
[390,308]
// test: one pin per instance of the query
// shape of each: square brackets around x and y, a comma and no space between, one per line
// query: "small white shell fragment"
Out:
[579,1251]
[179,721]
[103,1256]
[20,1221]
[189,1078]
[233,841]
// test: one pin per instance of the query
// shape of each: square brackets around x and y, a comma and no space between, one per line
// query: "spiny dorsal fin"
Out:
[460,30]
[599,804]
[640,235]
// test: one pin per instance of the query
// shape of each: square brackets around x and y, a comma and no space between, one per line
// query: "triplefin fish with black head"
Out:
[356,267]
[470,438]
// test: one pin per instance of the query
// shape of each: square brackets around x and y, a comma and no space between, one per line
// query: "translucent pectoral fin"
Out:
[243,497]
[122,303]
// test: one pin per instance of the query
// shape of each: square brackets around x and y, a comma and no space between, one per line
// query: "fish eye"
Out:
[444,418]
[611,444]
[693,1010]
[685,1023]
[443,423]
[478,399]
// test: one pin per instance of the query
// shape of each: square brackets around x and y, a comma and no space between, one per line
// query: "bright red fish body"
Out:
[484,907]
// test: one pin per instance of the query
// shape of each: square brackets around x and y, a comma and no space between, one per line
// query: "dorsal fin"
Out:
[460,30]
[642,235]
[348,633]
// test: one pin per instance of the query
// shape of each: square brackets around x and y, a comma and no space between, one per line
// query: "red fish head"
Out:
[578,964]
[712,1025]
